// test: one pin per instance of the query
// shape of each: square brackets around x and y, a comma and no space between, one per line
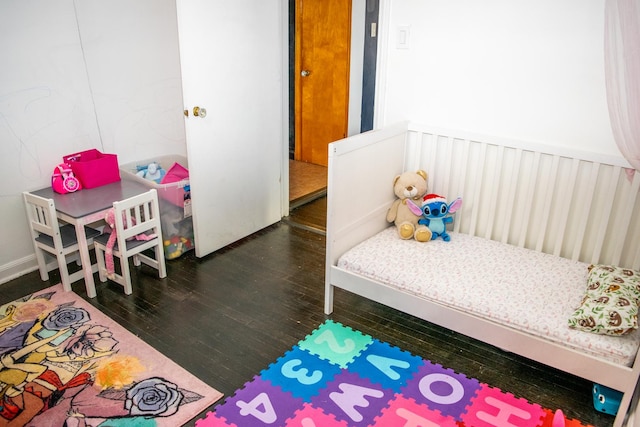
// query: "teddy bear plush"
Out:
[409,186]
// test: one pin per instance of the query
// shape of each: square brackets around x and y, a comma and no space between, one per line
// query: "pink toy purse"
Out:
[63,181]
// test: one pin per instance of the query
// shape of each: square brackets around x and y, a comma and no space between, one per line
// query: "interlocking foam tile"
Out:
[301,373]
[492,408]
[212,420]
[441,389]
[259,404]
[353,399]
[548,420]
[335,343]
[338,377]
[310,416]
[574,423]
[406,412]
[386,365]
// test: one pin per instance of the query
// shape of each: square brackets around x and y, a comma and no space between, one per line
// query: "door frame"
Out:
[371,26]
[287,101]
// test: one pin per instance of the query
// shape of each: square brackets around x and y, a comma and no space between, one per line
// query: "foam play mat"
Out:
[339,377]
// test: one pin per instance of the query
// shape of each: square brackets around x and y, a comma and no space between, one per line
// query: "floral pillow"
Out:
[610,303]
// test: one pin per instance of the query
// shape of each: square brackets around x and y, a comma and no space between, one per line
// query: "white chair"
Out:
[51,238]
[134,217]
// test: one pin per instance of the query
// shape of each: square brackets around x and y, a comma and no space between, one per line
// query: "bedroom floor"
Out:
[227,316]
[307,182]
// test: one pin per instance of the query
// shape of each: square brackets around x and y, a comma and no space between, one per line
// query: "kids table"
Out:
[86,207]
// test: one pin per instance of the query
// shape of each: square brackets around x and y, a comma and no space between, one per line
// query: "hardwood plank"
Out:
[307,181]
[227,316]
[310,216]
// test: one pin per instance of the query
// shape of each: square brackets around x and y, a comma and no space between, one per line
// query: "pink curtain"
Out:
[622,72]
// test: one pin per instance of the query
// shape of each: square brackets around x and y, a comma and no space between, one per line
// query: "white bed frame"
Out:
[569,203]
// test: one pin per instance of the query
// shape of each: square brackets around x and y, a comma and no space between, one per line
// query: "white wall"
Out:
[79,74]
[132,56]
[76,75]
[529,69]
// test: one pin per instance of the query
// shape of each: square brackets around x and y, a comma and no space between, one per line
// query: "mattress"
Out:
[528,290]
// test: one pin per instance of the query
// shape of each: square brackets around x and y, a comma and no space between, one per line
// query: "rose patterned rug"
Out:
[64,363]
[339,377]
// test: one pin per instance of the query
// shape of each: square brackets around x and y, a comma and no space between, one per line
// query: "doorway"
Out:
[307,177]
[322,76]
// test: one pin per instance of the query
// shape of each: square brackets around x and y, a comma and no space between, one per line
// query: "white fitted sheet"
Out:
[525,289]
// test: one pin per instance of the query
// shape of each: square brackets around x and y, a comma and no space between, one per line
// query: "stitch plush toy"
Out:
[409,186]
[435,214]
[110,219]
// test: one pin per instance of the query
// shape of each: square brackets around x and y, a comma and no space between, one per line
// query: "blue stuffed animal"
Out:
[435,213]
[606,399]
[153,172]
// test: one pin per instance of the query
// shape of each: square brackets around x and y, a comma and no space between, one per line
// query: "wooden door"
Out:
[323,40]
[232,62]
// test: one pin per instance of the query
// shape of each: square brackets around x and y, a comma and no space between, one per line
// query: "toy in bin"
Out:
[153,172]
[606,399]
[176,246]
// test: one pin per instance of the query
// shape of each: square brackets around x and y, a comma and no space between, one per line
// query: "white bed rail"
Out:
[575,204]
[357,209]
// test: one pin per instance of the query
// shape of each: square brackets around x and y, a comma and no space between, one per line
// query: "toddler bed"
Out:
[533,219]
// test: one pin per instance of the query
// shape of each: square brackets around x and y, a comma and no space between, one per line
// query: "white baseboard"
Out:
[18,268]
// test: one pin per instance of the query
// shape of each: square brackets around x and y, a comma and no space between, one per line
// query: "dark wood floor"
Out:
[310,216]
[229,315]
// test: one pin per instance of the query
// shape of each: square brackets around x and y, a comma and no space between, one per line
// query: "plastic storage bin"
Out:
[175,203]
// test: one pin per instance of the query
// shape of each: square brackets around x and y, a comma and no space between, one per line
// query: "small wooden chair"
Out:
[49,237]
[134,217]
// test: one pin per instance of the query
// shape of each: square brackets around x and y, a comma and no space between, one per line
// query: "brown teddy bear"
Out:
[409,185]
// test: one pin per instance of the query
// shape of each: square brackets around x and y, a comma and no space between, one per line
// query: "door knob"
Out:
[199,112]
[305,73]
